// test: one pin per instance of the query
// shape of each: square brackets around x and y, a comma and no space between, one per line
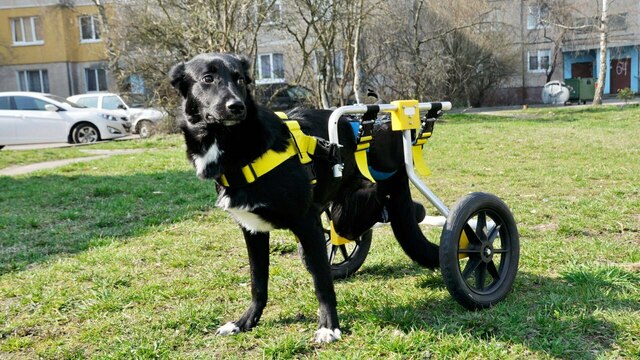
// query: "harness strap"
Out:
[303,146]
[306,144]
[416,151]
[262,165]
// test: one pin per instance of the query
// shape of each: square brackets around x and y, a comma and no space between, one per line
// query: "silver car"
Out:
[143,120]
[30,118]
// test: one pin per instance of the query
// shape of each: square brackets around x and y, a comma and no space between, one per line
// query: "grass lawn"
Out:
[126,257]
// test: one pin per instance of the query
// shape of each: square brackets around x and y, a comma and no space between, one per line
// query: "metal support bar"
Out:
[415,180]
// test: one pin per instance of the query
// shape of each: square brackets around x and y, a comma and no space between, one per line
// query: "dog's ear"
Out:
[246,67]
[178,81]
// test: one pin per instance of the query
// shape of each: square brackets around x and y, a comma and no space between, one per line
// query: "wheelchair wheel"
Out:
[479,251]
[344,259]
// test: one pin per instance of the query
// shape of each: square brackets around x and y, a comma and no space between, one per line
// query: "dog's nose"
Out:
[235,107]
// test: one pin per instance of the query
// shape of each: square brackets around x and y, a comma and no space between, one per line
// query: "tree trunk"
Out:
[113,54]
[357,85]
[602,71]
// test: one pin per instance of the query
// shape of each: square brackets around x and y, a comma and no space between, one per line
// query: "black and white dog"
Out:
[225,130]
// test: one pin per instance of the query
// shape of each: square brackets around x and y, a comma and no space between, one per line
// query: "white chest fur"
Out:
[201,161]
[243,215]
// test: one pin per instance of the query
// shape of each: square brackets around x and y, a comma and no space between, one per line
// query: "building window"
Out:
[537,15]
[96,79]
[618,22]
[585,24]
[539,61]
[336,65]
[270,68]
[26,31]
[89,28]
[270,11]
[33,80]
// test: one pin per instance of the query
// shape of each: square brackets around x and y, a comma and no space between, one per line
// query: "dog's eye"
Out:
[207,79]
[240,81]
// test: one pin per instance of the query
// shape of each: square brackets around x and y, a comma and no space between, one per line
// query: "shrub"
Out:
[625,94]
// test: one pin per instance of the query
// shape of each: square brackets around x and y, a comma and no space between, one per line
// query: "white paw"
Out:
[228,329]
[324,335]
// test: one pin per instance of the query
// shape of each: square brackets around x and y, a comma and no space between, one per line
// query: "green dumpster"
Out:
[581,89]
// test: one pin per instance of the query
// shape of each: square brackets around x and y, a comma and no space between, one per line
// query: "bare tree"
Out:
[456,52]
[327,35]
[145,38]
[315,34]
[357,67]
[602,70]
[113,51]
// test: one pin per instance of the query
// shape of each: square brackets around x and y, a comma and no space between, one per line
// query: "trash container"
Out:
[555,92]
[581,89]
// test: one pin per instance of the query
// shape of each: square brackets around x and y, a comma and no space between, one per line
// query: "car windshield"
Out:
[64,101]
[134,100]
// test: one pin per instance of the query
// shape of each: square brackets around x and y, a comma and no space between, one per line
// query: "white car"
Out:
[143,120]
[30,118]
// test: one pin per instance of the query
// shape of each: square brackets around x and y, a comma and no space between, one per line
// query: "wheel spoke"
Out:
[481,274]
[468,251]
[493,234]
[491,268]
[332,254]
[471,235]
[480,225]
[472,264]
[343,251]
[499,251]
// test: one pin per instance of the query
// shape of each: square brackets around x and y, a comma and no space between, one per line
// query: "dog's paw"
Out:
[324,335]
[228,329]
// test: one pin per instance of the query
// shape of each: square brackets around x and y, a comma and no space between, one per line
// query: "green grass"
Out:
[127,257]
[24,157]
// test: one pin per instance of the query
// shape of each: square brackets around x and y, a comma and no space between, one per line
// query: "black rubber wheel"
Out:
[145,128]
[345,259]
[85,133]
[479,272]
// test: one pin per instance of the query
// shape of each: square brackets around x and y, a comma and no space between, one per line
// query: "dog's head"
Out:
[214,87]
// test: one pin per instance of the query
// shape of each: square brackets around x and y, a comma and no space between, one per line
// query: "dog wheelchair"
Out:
[479,244]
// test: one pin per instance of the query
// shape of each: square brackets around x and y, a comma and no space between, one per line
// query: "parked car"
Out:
[29,118]
[144,120]
[283,96]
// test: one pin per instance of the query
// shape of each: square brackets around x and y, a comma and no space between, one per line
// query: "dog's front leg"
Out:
[258,249]
[313,243]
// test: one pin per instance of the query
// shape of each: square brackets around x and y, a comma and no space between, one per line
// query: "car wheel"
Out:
[85,133]
[145,129]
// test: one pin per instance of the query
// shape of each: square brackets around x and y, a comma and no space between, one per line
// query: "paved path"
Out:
[99,154]
[61,145]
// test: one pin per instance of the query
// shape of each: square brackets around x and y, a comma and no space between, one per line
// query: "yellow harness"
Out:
[304,146]
[300,144]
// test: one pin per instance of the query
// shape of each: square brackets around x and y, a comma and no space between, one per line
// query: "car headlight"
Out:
[109,117]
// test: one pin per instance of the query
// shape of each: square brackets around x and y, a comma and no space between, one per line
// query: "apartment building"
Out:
[573,25]
[556,39]
[52,46]
[56,46]
[581,53]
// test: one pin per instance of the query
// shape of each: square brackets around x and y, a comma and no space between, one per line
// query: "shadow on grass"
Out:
[44,216]
[558,317]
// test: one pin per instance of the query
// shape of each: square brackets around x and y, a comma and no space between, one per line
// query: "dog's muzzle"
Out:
[233,113]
